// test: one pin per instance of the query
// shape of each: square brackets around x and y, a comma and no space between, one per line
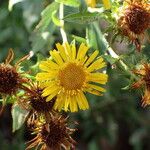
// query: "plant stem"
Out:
[61,16]
[114,55]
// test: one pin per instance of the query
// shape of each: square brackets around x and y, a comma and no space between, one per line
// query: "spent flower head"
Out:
[134,20]
[53,135]
[35,103]
[69,74]
[11,80]
[144,81]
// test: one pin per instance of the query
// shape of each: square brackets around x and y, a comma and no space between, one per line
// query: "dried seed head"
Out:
[9,80]
[54,135]
[38,102]
[135,20]
[144,81]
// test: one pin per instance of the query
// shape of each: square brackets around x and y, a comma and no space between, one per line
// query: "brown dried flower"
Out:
[10,79]
[53,135]
[144,73]
[36,104]
[135,20]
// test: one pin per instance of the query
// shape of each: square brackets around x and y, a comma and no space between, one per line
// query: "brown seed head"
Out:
[10,80]
[54,135]
[38,102]
[135,20]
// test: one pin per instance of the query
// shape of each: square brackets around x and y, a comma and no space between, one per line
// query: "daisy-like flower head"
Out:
[144,81]
[55,135]
[134,20]
[10,78]
[69,74]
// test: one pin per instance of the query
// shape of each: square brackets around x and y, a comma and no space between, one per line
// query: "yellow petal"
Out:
[59,102]
[55,55]
[82,51]
[50,89]
[100,78]
[98,64]
[80,105]
[98,88]
[46,83]
[68,50]
[62,51]
[73,49]
[82,101]
[67,102]
[107,4]
[94,92]
[46,76]
[50,97]
[48,65]
[73,104]
[91,58]
[91,3]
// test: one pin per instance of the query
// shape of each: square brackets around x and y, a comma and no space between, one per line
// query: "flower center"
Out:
[72,76]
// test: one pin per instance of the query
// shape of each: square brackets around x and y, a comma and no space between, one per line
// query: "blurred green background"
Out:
[115,121]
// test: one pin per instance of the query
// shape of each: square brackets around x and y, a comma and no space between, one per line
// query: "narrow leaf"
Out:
[82,17]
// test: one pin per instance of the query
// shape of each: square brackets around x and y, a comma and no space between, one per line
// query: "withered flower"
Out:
[53,135]
[35,103]
[134,20]
[10,78]
[144,81]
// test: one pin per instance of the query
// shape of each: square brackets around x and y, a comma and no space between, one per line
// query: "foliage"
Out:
[114,121]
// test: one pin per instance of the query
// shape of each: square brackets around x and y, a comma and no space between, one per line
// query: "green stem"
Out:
[61,16]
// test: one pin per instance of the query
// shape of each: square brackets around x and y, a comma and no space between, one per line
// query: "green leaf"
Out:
[110,59]
[12,3]
[82,17]
[19,116]
[42,39]
[47,16]
[45,28]
[96,39]
[73,3]
[79,39]
[55,19]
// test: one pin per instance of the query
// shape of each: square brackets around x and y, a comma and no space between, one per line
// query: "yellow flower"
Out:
[68,74]
[107,4]
[91,3]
